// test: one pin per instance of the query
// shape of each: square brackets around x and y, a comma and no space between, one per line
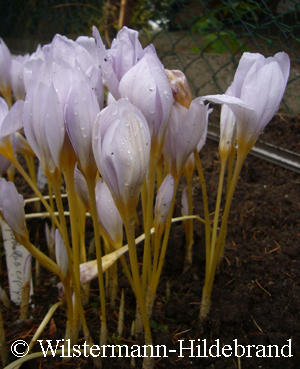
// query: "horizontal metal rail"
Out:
[274,154]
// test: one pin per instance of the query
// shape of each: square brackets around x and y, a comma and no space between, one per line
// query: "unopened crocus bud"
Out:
[81,188]
[50,239]
[121,145]
[12,208]
[80,113]
[61,255]
[108,214]
[5,64]
[227,129]
[44,125]
[17,76]
[89,270]
[27,270]
[163,202]
[126,50]
[146,86]
[185,131]
[180,87]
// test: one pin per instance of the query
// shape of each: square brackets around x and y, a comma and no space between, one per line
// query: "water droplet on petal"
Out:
[114,111]
[75,113]
[236,145]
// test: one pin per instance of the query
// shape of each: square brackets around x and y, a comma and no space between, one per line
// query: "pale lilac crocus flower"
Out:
[126,50]
[17,76]
[81,188]
[12,208]
[146,85]
[185,131]
[121,145]
[61,255]
[163,203]
[256,92]
[108,214]
[43,114]
[5,64]
[80,55]
[10,122]
[80,112]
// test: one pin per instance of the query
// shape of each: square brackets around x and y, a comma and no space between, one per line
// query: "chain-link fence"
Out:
[205,39]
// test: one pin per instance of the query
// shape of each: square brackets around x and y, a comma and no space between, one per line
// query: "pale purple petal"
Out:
[13,121]
[108,214]
[61,255]
[80,114]
[12,207]
[5,64]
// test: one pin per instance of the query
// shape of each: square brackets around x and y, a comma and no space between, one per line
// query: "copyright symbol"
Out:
[19,348]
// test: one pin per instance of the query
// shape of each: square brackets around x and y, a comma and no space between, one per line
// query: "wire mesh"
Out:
[205,39]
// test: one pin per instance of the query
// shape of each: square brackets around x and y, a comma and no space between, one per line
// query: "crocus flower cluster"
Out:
[140,144]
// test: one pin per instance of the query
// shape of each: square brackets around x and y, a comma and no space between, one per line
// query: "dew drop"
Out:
[114,111]
[236,145]
[75,113]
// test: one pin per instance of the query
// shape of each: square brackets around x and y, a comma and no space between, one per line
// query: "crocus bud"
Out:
[70,52]
[44,125]
[180,87]
[27,270]
[61,255]
[185,130]
[81,188]
[121,145]
[227,129]
[89,270]
[12,207]
[108,214]
[126,50]
[146,85]
[257,90]
[50,239]
[80,113]
[163,202]
[5,64]
[17,76]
